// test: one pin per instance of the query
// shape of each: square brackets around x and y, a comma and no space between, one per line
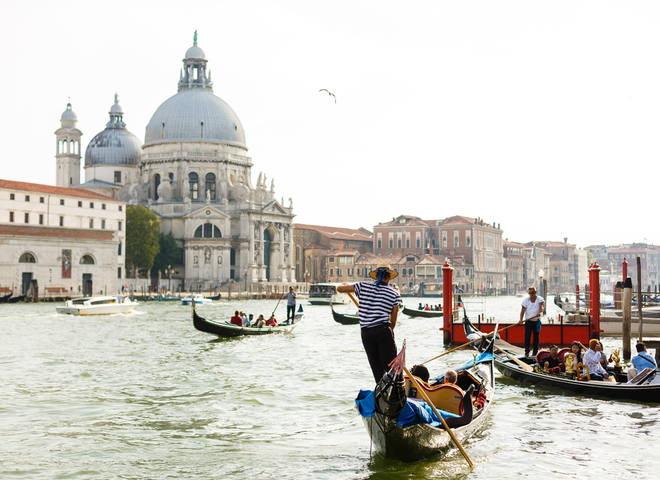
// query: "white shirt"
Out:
[532,308]
[592,360]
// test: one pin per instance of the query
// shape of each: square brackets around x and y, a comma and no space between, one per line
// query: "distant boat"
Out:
[226,329]
[17,299]
[4,298]
[413,312]
[345,319]
[326,293]
[198,298]
[96,306]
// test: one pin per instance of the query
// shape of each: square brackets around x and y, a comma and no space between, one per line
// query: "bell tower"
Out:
[67,150]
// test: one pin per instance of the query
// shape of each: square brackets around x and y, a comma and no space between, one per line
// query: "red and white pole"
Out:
[447,300]
[594,287]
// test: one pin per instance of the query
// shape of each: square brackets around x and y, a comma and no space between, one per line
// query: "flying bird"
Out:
[331,94]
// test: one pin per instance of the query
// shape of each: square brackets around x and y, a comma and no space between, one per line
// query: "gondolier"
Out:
[290,304]
[532,309]
[378,310]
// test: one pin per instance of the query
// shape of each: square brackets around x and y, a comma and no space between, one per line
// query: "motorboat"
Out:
[97,306]
[326,293]
[198,298]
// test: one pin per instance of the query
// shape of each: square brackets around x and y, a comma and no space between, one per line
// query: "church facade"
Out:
[194,173]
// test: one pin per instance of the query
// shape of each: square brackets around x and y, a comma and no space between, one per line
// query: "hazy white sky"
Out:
[540,116]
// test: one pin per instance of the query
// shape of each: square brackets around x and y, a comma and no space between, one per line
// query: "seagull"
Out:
[331,94]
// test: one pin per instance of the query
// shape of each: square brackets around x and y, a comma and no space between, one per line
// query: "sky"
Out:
[541,116]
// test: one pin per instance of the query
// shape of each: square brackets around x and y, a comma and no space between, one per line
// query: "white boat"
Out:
[326,293]
[198,298]
[97,306]
[611,321]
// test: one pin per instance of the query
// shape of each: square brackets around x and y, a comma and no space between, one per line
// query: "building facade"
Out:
[70,241]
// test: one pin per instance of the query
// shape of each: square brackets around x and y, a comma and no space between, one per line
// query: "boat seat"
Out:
[581,368]
[447,397]
[563,352]
[540,357]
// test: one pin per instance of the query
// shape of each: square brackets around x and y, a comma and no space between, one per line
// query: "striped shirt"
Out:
[376,303]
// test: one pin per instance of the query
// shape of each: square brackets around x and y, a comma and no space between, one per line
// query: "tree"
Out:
[142,246]
[591,258]
[169,254]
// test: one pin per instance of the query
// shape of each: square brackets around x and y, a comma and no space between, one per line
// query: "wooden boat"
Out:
[226,329]
[644,388]
[345,319]
[394,439]
[413,312]
[4,298]
[17,299]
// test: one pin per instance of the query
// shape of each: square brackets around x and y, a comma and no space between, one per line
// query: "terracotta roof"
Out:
[512,244]
[315,246]
[431,260]
[70,191]
[339,233]
[461,220]
[54,232]
[411,221]
[371,259]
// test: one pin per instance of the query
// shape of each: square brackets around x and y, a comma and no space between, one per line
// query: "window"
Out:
[103,224]
[193,182]
[198,232]
[419,242]
[216,232]
[41,219]
[350,272]
[399,243]
[27,218]
[103,206]
[208,230]
[119,226]
[332,272]
[118,272]
[61,201]
[41,199]
[91,204]
[118,180]
[86,260]
[379,244]
[12,196]
[120,208]
[91,223]
[467,241]
[455,241]
[80,204]
[27,257]
[339,272]
[156,185]
[407,243]
[391,243]
[61,221]
[210,185]
[27,198]
[119,249]
[331,259]
[11,217]
[232,256]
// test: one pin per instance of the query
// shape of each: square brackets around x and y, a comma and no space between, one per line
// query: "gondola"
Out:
[413,312]
[344,319]
[226,329]
[403,428]
[20,298]
[5,298]
[644,388]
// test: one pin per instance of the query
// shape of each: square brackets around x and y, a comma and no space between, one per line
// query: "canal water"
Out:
[146,396]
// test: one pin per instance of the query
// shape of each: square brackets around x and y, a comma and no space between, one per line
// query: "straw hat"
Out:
[374,274]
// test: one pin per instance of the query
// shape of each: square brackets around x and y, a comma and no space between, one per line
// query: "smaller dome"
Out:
[68,113]
[113,146]
[116,108]
[195,53]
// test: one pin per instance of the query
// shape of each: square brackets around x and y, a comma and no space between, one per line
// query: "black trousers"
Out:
[380,348]
[290,309]
[530,328]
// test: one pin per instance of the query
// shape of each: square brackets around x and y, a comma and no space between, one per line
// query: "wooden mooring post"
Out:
[639,300]
[627,314]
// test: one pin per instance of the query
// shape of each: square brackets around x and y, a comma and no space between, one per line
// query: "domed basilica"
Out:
[194,173]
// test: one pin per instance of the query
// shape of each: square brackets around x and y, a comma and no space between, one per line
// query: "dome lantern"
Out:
[194,69]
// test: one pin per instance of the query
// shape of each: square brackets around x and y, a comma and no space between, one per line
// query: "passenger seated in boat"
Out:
[236,319]
[603,357]
[259,322]
[250,320]
[421,372]
[271,322]
[450,377]
[427,308]
[553,363]
[420,307]
[641,361]
[592,360]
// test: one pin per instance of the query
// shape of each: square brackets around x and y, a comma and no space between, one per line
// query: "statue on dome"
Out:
[272,186]
[195,37]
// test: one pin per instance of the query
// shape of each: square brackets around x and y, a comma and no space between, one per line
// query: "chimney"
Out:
[565,239]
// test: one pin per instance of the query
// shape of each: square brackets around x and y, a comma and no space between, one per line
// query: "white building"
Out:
[194,173]
[70,241]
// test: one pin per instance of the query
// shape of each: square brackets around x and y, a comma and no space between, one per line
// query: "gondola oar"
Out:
[475,340]
[278,304]
[354,300]
[519,362]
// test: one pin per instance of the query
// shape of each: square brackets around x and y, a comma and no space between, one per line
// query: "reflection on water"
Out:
[146,396]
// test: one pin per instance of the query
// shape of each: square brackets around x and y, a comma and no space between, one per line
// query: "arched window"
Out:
[198,232]
[27,257]
[208,230]
[86,260]
[216,232]
[193,181]
[210,185]
[59,146]
[156,184]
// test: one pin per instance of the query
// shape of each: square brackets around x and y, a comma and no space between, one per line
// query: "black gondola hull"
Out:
[345,319]
[412,312]
[228,330]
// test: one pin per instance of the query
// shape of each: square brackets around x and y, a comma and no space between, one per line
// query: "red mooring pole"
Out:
[447,301]
[594,287]
[625,269]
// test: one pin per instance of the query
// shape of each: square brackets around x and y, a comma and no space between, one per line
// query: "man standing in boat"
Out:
[378,311]
[532,309]
[290,304]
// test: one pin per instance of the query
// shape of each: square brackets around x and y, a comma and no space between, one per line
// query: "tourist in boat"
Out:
[427,308]
[290,304]
[379,308]
[236,319]
[603,358]
[250,320]
[553,363]
[592,360]
[450,377]
[259,323]
[271,322]
[420,306]
[421,372]
[532,309]
[641,361]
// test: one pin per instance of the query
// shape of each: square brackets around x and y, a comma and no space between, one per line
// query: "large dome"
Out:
[115,145]
[195,114]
